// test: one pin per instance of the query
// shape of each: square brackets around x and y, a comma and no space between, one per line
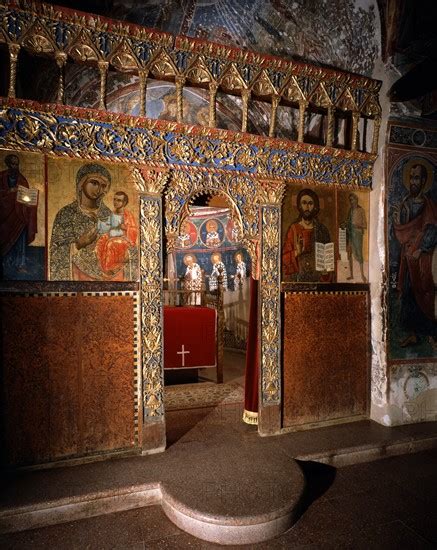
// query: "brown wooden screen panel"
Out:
[68,376]
[326,356]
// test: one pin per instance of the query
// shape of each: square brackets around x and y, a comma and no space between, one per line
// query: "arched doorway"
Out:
[257,203]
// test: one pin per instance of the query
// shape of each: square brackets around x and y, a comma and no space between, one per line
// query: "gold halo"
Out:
[192,256]
[216,254]
[423,162]
[239,252]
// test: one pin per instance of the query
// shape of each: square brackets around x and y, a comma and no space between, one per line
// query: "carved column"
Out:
[150,188]
[355,121]
[61,59]
[143,88]
[302,108]
[13,58]
[271,195]
[103,68]
[213,87]
[275,103]
[245,96]
[180,81]
[375,137]
[330,127]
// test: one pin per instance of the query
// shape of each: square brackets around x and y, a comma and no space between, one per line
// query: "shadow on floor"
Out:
[318,479]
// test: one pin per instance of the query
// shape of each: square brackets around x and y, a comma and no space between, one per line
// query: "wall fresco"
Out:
[92,222]
[274,27]
[412,240]
[22,216]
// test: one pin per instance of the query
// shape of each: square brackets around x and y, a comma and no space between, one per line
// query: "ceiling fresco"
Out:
[410,51]
[337,33]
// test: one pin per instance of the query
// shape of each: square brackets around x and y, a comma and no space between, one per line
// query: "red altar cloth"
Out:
[189,337]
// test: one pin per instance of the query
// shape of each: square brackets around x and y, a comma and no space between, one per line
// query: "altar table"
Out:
[189,337]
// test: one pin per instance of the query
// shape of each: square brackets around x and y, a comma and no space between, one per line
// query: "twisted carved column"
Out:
[245,96]
[302,108]
[213,87]
[375,137]
[103,68]
[330,127]
[13,58]
[61,59]
[180,81]
[275,103]
[143,88]
[355,121]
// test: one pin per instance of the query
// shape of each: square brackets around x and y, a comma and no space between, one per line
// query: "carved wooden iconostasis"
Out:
[113,188]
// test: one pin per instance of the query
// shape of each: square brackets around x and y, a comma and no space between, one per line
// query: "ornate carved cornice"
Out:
[89,134]
[87,38]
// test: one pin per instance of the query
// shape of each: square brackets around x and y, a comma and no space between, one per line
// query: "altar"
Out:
[189,337]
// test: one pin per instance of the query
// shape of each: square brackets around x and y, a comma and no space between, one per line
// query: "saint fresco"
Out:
[412,240]
[22,215]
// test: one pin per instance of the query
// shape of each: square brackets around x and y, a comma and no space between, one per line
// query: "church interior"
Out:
[218,276]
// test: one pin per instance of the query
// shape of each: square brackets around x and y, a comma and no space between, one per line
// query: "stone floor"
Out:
[385,504]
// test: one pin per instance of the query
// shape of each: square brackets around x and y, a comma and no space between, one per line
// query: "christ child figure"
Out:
[118,233]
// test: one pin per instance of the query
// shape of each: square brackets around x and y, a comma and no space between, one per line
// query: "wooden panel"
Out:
[68,376]
[107,373]
[25,384]
[326,357]
[62,352]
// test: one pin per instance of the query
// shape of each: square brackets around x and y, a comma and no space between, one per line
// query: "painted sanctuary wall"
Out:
[412,261]
[209,244]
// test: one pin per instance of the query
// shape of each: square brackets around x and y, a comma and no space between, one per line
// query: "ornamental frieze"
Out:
[179,146]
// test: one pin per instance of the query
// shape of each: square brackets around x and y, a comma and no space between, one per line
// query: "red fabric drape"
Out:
[250,414]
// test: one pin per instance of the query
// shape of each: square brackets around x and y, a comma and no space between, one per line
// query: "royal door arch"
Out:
[165,194]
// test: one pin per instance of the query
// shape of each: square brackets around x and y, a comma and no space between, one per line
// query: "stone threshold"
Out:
[219,489]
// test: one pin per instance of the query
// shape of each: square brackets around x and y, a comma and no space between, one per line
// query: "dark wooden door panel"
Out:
[326,356]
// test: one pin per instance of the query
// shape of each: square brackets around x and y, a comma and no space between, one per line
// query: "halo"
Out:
[216,254]
[192,256]
[423,162]
[241,254]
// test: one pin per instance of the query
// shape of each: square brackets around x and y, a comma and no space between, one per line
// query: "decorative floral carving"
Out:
[270,305]
[151,305]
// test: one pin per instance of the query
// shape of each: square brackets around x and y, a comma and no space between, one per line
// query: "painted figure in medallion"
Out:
[187,236]
[415,227]
[18,221]
[212,235]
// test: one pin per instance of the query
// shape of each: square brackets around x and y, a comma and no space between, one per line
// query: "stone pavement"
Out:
[389,503]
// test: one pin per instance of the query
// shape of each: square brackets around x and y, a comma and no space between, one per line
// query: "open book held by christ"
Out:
[324,256]
[27,196]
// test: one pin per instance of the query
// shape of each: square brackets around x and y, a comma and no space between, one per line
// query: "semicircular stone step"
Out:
[244,495]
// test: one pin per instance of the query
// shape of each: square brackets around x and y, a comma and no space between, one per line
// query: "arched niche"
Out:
[164,200]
